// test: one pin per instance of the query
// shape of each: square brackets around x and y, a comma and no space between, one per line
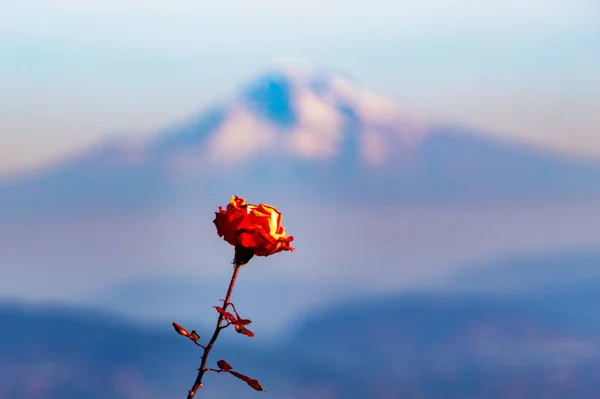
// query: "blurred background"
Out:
[438,163]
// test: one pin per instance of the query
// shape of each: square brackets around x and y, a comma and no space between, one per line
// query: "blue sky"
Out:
[73,72]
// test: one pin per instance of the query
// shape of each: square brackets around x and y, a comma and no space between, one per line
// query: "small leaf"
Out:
[243,330]
[250,381]
[226,315]
[194,336]
[224,366]
[180,330]
[240,321]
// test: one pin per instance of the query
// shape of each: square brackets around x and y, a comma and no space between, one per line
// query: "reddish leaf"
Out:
[224,366]
[194,336]
[243,330]
[180,330]
[239,320]
[228,316]
[250,381]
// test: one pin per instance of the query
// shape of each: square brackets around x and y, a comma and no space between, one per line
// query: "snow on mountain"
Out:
[304,132]
[300,115]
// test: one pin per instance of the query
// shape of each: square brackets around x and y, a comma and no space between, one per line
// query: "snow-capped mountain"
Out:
[298,116]
[291,131]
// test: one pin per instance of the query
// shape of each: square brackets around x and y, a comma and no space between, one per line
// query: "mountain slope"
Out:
[302,133]
[459,344]
[410,346]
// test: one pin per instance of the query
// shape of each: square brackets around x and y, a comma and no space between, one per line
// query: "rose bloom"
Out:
[256,227]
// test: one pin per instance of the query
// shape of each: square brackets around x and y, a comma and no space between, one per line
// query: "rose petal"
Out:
[256,227]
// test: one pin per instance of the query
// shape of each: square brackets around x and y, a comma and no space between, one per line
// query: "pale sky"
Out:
[75,71]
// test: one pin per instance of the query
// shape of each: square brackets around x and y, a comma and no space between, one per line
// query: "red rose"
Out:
[255,227]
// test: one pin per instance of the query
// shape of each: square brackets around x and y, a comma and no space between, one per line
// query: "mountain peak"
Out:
[276,93]
[271,95]
[310,114]
[307,130]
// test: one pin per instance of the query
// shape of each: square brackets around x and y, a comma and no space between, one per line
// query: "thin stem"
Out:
[211,369]
[218,328]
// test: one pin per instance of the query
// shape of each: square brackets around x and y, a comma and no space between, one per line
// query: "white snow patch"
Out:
[319,130]
[241,136]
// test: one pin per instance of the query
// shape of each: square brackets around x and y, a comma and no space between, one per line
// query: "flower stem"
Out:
[218,328]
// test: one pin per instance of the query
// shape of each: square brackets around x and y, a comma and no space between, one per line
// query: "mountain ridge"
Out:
[413,345]
[303,133]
